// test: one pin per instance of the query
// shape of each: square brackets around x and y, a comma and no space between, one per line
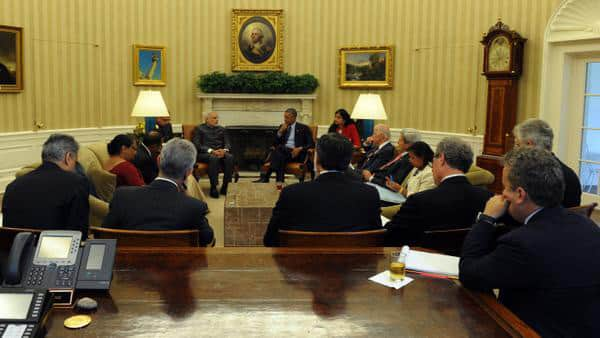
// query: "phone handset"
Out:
[16,259]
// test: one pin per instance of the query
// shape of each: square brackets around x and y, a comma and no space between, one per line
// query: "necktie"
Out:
[391,162]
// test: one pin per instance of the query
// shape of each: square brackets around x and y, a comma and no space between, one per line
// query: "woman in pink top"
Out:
[122,150]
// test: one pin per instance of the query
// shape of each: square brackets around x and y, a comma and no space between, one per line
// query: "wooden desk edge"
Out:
[503,316]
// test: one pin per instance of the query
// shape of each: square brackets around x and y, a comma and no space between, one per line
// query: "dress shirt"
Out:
[167,180]
[453,175]
[291,132]
[532,214]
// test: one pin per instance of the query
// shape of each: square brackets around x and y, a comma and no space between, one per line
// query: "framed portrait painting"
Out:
[366,67]
[256,40]
[11,59]
[149,65]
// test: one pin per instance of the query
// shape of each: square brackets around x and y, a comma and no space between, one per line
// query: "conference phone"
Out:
[59,264]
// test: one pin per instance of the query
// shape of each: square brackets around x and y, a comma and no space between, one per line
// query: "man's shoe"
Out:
[214,193]
[263,179]
[224,189]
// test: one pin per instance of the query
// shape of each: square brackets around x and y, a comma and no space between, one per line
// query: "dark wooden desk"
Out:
[240,292]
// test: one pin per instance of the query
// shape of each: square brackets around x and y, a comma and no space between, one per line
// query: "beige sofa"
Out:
[91,158]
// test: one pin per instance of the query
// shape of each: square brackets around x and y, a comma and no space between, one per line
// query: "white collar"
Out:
[532,214]
[168,180]
[383,144]
[449,176]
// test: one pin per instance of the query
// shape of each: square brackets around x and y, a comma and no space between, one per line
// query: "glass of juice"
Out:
[397,265]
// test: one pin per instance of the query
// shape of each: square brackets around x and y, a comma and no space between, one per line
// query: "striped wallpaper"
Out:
[78,55]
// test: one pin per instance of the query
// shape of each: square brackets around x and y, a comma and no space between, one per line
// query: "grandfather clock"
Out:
[502,65]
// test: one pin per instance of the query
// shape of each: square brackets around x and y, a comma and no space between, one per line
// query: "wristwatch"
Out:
[481,217]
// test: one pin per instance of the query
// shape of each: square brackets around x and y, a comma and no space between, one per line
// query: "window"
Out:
[589,161]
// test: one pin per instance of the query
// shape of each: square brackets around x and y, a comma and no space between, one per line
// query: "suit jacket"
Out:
[398,170]
[453,204]
[572,196]
[378,157]
[166,131]
[311,207]
[302,137]
[158,206]
[206,137]
[547,271]
[146,164]
[48,198]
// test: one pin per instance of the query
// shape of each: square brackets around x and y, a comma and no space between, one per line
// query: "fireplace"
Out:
[250,144]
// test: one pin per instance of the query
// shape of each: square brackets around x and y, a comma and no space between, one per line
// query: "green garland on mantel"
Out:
[260,83]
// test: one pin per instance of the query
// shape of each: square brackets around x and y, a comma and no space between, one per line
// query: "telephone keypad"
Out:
[35,276]
[64,277]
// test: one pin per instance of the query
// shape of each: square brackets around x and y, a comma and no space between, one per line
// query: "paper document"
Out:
[432,263]
[384,279]
[388,195]
[384,220]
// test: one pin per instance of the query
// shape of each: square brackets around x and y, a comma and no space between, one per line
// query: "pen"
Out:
[432,275]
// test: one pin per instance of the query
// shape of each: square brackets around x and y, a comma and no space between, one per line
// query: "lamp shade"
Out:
[369,107]
[150,104]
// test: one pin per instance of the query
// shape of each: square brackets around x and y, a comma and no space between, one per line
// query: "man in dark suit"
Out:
[380,150]
[163,204]
[454,203]
[399,167]
[165,128]
[146,156]
[53,196]
[538,134]
[213,148]
[547,269]
[332,202]
[292,141]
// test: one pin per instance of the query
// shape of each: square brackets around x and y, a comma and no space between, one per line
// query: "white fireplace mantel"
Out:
[257,109]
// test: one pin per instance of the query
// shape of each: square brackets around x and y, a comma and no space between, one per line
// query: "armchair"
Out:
[298,169]
[201,168]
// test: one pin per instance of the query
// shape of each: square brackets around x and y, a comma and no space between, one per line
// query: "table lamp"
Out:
[368,108]
[150,105]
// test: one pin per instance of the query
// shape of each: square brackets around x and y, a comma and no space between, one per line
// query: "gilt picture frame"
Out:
[256,40]
[149,65]
[366,67]
[11,59]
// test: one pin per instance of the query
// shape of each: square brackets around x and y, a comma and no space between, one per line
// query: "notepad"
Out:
[432,263]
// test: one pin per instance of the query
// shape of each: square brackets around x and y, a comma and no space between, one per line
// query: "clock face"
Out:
[499,55]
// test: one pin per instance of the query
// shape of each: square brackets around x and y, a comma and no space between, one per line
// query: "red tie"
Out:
[391,162]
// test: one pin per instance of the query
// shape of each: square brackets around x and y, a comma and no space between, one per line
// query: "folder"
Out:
[433,263]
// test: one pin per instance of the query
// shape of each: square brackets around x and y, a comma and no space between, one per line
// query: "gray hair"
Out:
[536,130]
[176,158]
[457,153]
[206,113]
[410,135]
[57,146]
[385,130]
[538,172]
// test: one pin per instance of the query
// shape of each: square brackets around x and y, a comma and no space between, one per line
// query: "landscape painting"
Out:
[366,67]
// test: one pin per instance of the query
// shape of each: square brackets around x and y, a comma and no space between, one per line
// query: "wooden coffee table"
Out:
[248,208]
